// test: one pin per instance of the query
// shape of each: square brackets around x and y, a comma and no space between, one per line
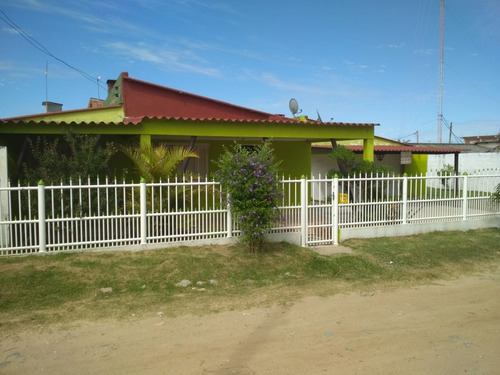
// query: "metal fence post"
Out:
[42,234]
[405,198]
[143,212]
[303,211]
[335,210]
[464,194]
[229,219]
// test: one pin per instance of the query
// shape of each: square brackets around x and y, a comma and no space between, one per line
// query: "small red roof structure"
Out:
[387,149]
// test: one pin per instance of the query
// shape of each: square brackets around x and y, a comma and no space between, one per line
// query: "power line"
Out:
[408,135]
[5,18]
[449,126]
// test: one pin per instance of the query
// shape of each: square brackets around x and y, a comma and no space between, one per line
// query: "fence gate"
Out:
[321,211]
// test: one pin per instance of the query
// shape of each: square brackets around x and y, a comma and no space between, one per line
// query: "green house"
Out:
[138,112]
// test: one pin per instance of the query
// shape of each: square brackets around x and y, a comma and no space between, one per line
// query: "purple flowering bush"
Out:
[249,178]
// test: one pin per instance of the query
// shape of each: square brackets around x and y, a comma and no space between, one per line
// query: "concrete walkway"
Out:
[328,250]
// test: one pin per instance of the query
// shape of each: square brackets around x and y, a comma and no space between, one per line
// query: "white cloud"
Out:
[393,45]
[424,51]
[328,88]
[5,65]
[77,12]
[380,69]
[9,30]
[352,65]
[274,82]
[165,57]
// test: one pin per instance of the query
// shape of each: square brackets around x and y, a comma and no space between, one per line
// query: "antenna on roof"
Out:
[46,85]
[294,107]
[98,80]
[319,116]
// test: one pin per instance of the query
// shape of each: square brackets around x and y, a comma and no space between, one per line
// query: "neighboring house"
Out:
[141,112]
[489,143]
[480,154]
[400,157]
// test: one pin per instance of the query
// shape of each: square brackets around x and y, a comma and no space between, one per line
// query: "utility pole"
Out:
[441,64]
[98,81]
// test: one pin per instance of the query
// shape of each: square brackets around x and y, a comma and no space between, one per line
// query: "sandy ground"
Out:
[449,327]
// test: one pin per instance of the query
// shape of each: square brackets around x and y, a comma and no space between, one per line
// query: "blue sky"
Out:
[371,61]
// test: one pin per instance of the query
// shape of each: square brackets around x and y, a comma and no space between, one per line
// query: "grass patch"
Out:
[45,289]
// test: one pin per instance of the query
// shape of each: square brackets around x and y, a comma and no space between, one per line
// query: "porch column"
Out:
[145,140]
[368,149]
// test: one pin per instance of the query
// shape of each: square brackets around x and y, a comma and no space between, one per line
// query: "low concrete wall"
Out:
[291,237]
[413,229]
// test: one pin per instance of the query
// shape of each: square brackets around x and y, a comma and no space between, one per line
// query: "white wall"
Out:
[470,163]
[467,162]
[322,163]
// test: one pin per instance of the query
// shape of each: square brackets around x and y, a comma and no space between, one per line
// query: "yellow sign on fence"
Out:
[343,198]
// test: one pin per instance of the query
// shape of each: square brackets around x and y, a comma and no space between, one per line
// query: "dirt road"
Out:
[449,327]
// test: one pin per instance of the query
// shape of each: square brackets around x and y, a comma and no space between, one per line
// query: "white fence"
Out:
[112,215]
[468,162]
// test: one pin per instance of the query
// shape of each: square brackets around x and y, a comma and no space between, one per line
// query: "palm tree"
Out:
[496,194]
[157,163]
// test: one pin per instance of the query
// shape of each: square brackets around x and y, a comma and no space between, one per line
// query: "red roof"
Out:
[145,100]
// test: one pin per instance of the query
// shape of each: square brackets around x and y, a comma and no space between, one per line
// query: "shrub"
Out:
[349,164]
[70,156]
[157,163]
[249,178]
[447,170]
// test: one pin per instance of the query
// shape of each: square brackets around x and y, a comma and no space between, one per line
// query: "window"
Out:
[196,166]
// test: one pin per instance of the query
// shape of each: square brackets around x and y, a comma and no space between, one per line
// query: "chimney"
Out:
[52,107]
[95,103]
[111,83]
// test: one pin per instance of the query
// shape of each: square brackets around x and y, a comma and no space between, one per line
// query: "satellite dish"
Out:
[294,106]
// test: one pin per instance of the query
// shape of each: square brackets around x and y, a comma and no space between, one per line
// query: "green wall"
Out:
[295,156]
[291,141]
[418,164]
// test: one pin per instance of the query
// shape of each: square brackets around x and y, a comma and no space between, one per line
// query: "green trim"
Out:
[254,130]
[110,121]
[418,164]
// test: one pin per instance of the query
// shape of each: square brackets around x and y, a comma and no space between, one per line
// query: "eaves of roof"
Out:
[133,121]
[412,149]
[62,117]
[66,123]
[274,120]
